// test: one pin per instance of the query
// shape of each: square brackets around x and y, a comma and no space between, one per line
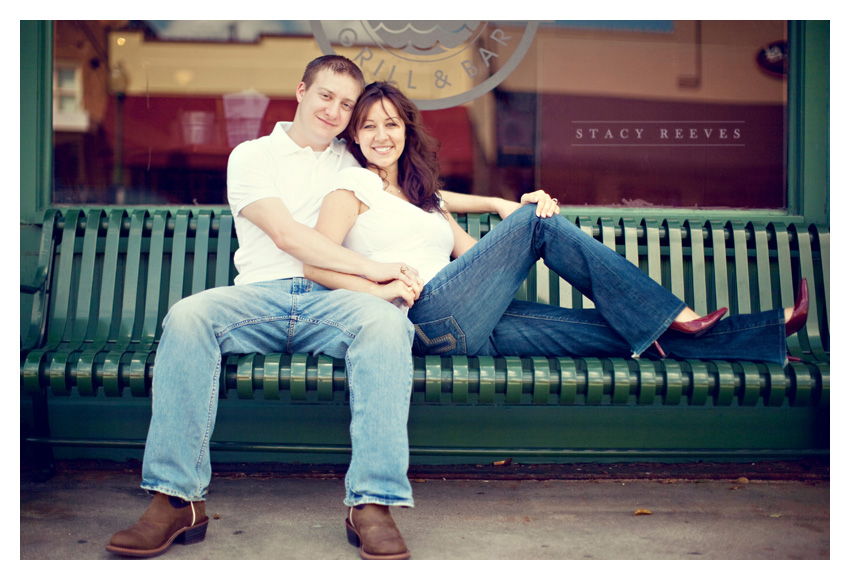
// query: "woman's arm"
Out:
[336,218]
[547,206]
[466,203]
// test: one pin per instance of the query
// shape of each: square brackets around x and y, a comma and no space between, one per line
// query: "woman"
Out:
[390,210]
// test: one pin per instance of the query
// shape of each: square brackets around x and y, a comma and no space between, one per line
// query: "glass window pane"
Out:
[66,78]
[67,103]
[599,113]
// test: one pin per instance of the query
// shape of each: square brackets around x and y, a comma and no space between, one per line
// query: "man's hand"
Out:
[389,271]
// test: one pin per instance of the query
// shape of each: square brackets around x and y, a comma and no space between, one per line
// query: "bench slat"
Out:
[653,249]
[179,256]
[587,227]
[718,261]
[202,244]
[807,270]
[224,257]
[700,382]
[677,259]
[742,270]
[823,246]
[698,266]
[765,294]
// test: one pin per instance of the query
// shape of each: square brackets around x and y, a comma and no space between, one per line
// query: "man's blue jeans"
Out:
[469,307]
[287,316]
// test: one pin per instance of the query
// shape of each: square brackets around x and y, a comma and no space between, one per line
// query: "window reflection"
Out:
[608,113]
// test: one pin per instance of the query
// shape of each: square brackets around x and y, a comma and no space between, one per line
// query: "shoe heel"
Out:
[353,538]
[193,535]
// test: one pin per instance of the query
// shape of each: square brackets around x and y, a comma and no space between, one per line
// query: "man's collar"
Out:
[284,141]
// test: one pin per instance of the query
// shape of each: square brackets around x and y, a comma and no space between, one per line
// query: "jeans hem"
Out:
[379,501]
[658,332]
[168,491]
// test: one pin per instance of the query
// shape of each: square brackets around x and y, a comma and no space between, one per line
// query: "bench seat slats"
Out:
[35,364]
[62,357]
[86,384]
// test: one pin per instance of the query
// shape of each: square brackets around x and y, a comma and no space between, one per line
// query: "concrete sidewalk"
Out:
[270,516]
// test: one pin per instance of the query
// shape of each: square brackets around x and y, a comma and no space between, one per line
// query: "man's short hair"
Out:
[335,63]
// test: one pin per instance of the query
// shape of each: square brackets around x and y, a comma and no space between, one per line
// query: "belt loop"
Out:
[302,285]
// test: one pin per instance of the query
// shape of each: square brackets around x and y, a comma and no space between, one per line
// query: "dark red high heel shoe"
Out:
[700,325]
[801,310]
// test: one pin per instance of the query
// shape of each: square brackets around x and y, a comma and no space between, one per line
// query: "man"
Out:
[275,187]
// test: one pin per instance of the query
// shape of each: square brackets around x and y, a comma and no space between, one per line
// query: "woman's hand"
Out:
[547,206]
[398,289]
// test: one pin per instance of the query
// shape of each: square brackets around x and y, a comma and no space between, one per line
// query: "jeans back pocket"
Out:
[442,336]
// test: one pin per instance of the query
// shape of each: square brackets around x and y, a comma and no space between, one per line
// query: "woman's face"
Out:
[381,135]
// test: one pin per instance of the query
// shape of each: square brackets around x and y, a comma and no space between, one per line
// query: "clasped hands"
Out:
[398,280]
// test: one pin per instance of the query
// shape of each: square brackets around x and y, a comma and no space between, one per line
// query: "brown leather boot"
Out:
[371,528]
[162,524]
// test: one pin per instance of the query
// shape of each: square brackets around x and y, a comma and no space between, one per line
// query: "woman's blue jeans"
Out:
[285,316]
[469,307]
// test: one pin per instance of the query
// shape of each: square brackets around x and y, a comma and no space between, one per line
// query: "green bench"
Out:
[106,277]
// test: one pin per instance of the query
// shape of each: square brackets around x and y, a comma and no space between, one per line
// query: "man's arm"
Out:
[312,247]
[336,218]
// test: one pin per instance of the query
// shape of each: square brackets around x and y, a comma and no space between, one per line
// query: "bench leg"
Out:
[42,453]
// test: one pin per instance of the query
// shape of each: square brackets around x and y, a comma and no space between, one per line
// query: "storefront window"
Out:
[610,113]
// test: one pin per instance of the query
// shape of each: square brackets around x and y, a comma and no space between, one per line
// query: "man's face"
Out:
[324,108]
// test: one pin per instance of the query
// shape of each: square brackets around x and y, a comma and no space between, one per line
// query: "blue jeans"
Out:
[469,307]
[287,316]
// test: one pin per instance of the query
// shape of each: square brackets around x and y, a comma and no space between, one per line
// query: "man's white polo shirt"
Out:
[274,166]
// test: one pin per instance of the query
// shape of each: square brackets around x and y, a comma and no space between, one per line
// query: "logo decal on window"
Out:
[438,63]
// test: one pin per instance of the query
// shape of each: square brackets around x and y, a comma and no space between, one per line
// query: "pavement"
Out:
[580,512]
